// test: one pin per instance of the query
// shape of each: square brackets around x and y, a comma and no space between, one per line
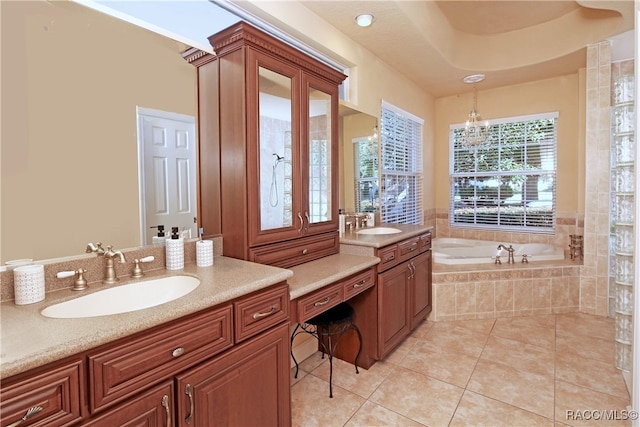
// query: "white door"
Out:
[167,150]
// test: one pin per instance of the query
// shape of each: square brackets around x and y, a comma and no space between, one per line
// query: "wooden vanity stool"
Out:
[328,328]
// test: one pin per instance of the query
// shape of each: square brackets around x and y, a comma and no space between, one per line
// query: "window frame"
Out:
[401,132]
[531,219]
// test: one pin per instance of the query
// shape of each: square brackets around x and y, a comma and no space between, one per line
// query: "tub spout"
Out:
[510,250]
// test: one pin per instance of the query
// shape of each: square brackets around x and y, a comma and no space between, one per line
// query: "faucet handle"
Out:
[80,283]
[137,270]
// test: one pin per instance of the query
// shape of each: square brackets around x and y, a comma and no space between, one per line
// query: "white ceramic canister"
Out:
[204,253]
[28,284]
[174,253]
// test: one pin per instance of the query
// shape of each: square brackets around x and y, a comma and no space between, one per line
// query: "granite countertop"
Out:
[381,240]
[30,339]
[314,275]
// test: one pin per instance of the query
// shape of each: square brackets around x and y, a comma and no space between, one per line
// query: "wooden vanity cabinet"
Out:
[268,114]
[404,290]
[59,390]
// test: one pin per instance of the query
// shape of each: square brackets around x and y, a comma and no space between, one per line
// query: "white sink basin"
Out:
[379,230]
[125,298]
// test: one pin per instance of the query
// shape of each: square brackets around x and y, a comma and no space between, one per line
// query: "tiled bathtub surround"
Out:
[493,291]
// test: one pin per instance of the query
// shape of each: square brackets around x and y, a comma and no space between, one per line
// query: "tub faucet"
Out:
[510,250]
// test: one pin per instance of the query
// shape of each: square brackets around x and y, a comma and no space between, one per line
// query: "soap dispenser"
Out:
[175,250]
[160,238]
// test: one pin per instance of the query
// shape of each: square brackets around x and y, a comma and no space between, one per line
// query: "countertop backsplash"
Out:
[95,265]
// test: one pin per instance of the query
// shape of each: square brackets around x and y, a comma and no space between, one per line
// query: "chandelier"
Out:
[475,134]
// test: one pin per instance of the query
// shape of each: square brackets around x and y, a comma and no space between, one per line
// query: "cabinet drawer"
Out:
[409,248]
[389,257]
[122,370]
[58,391]
[260,311]
[319,301]
[296,252]
[358,283]
[425,242]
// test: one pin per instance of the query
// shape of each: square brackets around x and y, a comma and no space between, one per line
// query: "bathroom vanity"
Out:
[404,283]
[179,361]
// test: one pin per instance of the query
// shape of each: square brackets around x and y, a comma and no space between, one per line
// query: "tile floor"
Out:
[518,371]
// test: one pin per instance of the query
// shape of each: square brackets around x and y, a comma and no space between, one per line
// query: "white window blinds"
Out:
[401,161]
[510,182]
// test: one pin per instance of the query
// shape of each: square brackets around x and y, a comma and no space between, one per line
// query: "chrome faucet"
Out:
[510,250]
[109,254]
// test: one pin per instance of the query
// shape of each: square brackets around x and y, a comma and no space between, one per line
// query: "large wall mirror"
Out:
[72,79]
[356,127]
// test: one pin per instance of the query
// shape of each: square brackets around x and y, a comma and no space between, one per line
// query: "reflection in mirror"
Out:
[355,126]
[275,150]
[367,172]
[319,156]
[74,78]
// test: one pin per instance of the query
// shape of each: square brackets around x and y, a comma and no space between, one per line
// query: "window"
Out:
[401,160]
[367,174]
[510,182]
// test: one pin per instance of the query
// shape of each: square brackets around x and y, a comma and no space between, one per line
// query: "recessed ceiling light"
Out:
[473,78]
[365,19]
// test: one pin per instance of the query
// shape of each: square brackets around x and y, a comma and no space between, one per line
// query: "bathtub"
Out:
[466,251]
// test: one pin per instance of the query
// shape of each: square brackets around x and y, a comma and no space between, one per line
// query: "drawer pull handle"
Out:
[306,228]
[30,413]
[189,392]
[360,283]
[390,258]
[268,313]
[178,352]
[165,405]
[323,302]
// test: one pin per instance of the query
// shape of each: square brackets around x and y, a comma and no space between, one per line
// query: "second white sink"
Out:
[125,298]
[379,230]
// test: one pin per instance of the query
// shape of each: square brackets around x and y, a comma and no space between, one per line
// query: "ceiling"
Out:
[437,43]
[433,43]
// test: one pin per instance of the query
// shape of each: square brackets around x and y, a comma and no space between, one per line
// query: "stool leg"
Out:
[293,335]
[330,354]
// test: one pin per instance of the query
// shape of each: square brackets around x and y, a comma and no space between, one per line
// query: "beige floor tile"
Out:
[421,330]
[311,405]
[454,368]
[418,397]
[397,356]
[538,331]
[516,354]
[585,325]
[455,339]
[526,390]
[371,414]
[585,346]
[344,375]
[477,410]
[575,406]
[590,373]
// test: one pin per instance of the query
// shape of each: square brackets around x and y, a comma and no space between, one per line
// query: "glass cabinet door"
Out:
[276,154]
[320,154]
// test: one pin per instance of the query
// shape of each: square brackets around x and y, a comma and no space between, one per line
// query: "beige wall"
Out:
[562,94]
[71,81]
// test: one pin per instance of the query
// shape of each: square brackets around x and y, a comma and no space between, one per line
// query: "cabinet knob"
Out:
[178,352]
[304,251]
